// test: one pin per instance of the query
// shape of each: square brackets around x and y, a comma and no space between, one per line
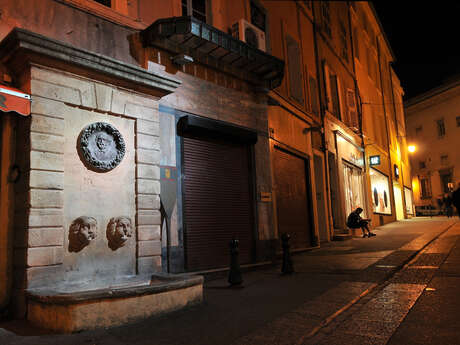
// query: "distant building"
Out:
[433,126]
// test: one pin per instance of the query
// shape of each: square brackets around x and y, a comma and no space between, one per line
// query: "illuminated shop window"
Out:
[380,192]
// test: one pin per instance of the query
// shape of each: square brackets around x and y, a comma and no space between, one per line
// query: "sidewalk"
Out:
[270,309]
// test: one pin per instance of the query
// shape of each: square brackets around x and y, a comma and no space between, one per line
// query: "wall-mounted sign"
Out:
[265,197]
[374,160]
[396,171]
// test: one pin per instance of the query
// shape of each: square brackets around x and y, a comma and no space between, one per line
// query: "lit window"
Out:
[194,8]
[441,128]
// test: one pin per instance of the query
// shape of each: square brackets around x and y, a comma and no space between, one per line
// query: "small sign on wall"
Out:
[396,171]
[265,197]
[374,160]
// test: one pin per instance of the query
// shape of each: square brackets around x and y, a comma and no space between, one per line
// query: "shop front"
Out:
[350,166]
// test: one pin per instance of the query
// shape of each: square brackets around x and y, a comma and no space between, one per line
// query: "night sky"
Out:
[424,36]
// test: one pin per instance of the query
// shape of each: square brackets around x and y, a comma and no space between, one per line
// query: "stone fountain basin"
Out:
[75,307]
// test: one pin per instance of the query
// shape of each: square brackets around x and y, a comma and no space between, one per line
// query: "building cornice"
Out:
[22,48]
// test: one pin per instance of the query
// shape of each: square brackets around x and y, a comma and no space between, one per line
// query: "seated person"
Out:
[354,221]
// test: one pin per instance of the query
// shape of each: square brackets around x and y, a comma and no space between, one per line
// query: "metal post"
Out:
[288,266]
[234,276]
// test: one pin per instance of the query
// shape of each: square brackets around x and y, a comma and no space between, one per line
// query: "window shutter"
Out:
[313,95]
[295,70]
[352,111]
[334,95]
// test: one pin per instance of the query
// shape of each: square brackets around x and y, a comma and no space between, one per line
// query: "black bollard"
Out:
[234,276]
[287,267]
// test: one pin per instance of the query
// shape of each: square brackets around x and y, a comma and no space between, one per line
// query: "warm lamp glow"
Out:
[411,148]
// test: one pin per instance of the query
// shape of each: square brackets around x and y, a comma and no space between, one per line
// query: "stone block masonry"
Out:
[58,98]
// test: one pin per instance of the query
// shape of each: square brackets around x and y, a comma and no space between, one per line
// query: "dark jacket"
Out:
[354,220]
[456,198]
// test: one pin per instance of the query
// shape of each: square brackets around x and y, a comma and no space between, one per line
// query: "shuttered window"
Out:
[313,95]
[294,70]
[334,95]
[352,111]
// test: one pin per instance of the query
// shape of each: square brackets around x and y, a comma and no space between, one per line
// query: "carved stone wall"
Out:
[60,188]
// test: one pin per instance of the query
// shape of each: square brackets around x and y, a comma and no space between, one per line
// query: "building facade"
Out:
[433,125]
[240,120]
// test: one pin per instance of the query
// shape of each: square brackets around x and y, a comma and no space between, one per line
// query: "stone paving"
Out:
[374,319]
[351,292]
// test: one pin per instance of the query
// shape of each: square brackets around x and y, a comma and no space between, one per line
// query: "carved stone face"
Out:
[103,141]
[81,232]
[119,230]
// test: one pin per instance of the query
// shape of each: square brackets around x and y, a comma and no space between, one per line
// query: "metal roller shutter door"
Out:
[292,203]
[217,203]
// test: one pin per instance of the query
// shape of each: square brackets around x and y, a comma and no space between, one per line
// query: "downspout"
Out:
[7,157]
[323,134]
[397,136]
[359,107]
[386,123]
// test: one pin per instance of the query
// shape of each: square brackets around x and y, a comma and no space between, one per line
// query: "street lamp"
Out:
[411,148]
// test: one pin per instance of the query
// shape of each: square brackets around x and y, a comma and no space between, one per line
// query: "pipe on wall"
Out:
[7,158]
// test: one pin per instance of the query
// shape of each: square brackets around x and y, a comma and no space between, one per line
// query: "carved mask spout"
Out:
[81,232]
[119,230]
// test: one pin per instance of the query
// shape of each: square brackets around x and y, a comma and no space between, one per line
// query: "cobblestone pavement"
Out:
[376,317]
[361,291]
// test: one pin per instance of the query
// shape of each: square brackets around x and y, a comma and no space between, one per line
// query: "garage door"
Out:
[293,209]
[217,202]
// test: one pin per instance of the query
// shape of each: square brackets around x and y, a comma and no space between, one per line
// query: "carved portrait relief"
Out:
[81,232]
[119,230]
[101,146]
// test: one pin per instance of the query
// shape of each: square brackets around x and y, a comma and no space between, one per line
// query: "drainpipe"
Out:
[397,136]
[386,123]
[359,110]
[323,134]
[7,156]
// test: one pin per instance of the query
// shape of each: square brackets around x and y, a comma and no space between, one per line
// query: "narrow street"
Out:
[399,287]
